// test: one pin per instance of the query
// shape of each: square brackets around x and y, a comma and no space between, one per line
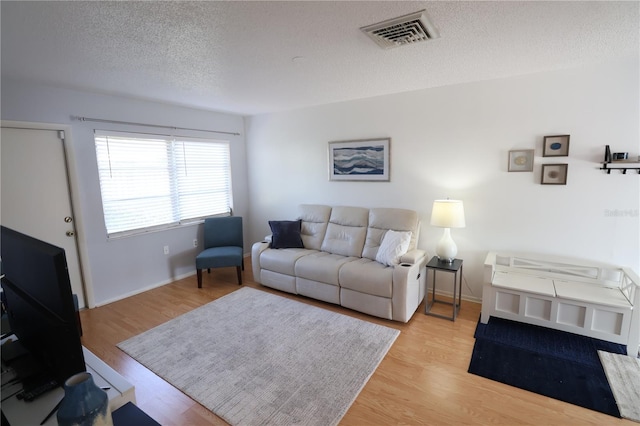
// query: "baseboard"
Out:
[450,295]
[147,288]
[156,285]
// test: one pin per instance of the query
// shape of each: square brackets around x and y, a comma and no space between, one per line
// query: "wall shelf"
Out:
[622,166]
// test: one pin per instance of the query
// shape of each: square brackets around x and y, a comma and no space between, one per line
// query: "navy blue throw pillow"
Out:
[286,234]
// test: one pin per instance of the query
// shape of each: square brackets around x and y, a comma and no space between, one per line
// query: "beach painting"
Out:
[361,160]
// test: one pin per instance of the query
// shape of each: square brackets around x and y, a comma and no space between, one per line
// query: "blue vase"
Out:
[84,403]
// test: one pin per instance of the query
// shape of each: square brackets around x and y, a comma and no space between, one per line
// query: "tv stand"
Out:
[120,392]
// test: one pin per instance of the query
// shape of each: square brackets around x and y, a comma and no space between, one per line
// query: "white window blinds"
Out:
[149,182]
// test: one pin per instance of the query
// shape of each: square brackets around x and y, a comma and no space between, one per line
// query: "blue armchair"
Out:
[223,246]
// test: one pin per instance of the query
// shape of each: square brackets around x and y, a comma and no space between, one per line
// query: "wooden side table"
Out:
[455,268]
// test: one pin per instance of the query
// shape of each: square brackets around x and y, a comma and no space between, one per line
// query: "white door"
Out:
[35,193]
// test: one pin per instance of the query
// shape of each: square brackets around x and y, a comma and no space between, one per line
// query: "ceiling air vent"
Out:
[407,29]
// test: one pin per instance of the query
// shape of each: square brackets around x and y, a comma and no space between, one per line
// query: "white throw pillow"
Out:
[394,244]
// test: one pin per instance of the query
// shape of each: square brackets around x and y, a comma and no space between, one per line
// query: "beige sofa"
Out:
[338,261]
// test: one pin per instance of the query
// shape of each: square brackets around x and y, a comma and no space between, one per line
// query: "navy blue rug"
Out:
[549,362]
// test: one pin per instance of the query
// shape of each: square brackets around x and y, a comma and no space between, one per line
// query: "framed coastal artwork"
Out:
[359,160]
[554,174]
[521,160]
[555,146]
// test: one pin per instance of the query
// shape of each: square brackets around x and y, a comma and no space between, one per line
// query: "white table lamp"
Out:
[447,214]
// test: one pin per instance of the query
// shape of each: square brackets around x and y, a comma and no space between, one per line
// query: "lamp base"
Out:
[446,249]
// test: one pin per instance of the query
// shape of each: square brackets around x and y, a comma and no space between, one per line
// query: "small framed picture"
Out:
[360,160]
[555,146]
[521,160]
[554,174]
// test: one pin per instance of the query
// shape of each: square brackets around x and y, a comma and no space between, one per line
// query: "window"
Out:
[153,182]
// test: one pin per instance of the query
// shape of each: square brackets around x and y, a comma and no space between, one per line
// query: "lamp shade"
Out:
[448,214]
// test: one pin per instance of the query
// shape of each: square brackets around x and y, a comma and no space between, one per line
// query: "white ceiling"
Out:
[237,56]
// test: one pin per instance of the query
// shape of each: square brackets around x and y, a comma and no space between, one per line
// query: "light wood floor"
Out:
[422,380]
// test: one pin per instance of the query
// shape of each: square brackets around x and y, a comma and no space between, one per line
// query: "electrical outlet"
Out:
[195,242]
[166,249]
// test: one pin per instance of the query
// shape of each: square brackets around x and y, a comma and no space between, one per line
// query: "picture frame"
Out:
[555,146]
[554,174]
[521,160]
[360,160]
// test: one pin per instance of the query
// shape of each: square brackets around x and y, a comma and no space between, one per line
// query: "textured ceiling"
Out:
[238,56]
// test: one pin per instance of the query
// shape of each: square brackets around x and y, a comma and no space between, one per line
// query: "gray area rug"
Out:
[623,374]
[254,358]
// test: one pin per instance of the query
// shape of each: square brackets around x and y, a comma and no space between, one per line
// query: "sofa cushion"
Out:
[321,266]
[383,219]
[394,244]
[372,242]
[282,261]
[314,224]
[346,231]
[367,276]
[285,234]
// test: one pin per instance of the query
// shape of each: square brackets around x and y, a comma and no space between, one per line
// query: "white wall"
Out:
[120,267]
[453,142]
[446,142]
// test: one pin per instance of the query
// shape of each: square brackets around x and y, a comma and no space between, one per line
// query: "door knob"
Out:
[70,233]
[68,219]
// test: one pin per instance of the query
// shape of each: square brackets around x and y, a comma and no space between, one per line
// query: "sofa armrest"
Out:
[409,280]
[408,290]
[256,251]
[413,256]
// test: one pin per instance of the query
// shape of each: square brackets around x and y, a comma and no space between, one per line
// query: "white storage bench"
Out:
[595,300]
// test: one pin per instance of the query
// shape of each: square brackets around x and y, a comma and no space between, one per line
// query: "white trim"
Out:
[449,294]
[147,288]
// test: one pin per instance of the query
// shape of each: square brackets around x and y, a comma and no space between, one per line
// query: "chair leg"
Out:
[243,263]
[199,273]
[239,275]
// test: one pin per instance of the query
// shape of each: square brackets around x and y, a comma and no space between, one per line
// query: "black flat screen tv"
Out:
[39,303]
